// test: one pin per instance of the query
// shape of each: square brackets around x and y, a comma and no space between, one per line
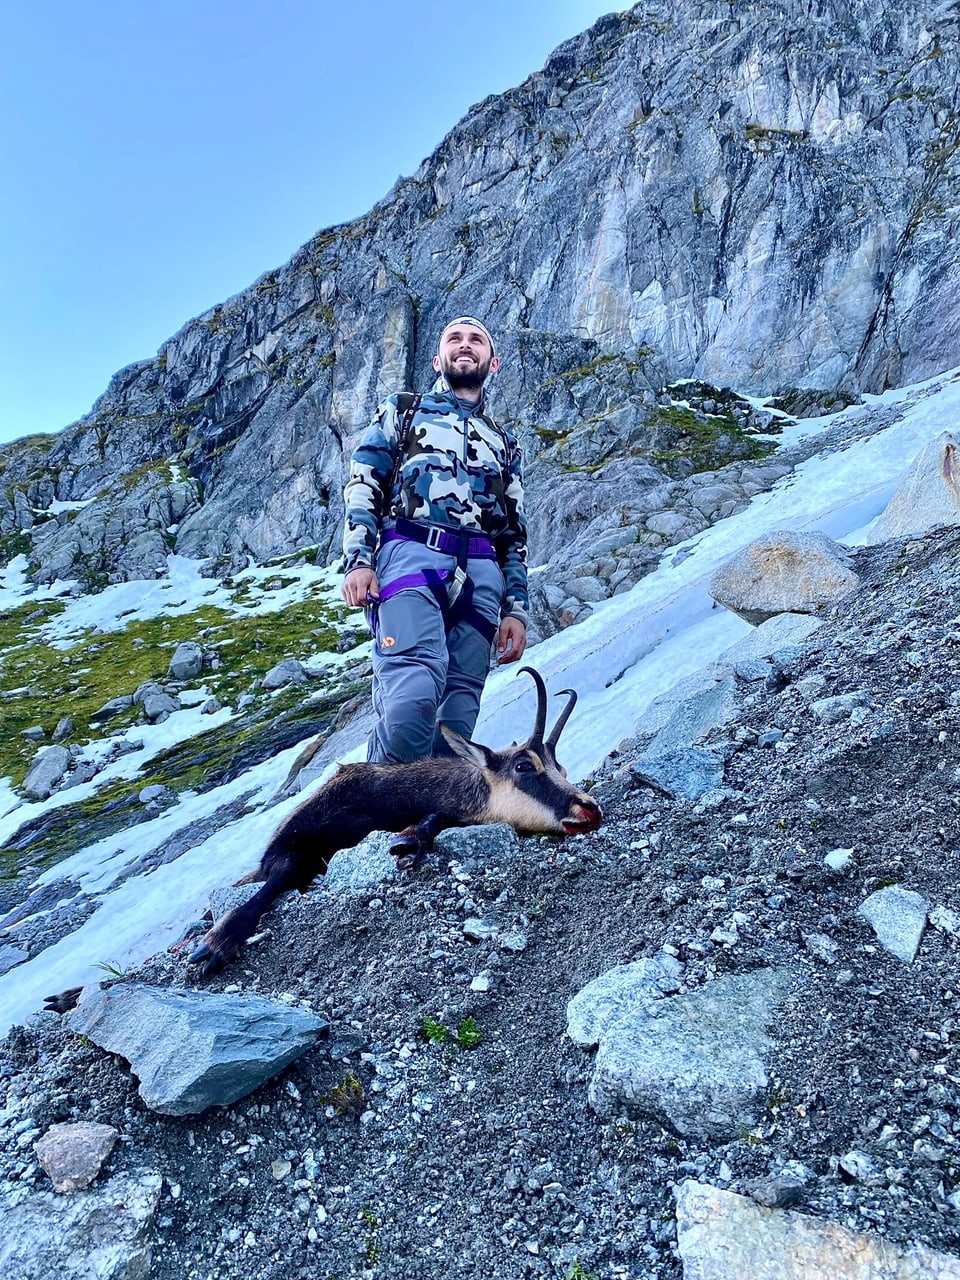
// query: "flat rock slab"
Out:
[705,710]
[100,1234]
[695,1063]
[620,991]
[194,1049]
[73,1154]
[721,1235]
[781,632]
[685,774]
[897,916]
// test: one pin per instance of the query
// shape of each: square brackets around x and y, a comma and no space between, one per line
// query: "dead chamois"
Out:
[522,785]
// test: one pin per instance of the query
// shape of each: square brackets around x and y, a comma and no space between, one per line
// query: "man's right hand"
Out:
[358,584]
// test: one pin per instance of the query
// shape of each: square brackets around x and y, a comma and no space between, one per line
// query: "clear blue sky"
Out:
[159,156]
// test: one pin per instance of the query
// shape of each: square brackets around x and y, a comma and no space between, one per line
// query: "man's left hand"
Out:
[512,640]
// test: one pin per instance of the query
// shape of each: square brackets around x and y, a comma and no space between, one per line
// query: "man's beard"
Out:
[469,379]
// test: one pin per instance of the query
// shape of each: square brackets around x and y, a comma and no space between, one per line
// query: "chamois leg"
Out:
[299,851]
[226,938]
[414,842]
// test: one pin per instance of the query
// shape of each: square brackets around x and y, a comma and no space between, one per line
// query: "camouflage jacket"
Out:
[458,471]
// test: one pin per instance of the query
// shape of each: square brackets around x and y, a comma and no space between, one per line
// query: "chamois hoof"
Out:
[407,848]
[212,955]
[62,1003]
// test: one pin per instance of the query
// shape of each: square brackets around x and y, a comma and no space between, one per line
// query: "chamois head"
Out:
[528,788]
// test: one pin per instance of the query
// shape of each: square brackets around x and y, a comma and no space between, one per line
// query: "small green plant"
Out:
[469,1034]
[579,1272]
[434,1031]
[111,969]
[348,1098]
[371,1251]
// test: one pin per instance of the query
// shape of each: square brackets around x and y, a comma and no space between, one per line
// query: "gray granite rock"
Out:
[722,1236]
[99,1234]
[46,773]
[287,672]
[946,921]
[618,992]
[707,709]
[113,708]
[685,774]
[695,1062]
[898,917]
[485,843]
[157,704]
[11,956]
[194,1049]
[841,707]
[187,661]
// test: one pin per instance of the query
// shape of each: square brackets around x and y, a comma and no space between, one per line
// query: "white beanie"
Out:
[477,324]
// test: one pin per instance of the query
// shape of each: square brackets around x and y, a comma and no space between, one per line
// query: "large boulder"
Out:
[187,661]
[194,1049]
[46,773]
[721,1235]
[784,572]
[927,496]
[695,1063]
[98,1234]
[288,671]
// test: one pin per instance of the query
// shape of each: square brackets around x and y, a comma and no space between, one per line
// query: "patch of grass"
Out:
[17,543]
[40,684]
[579,1272]
[349,1097]
[707,442]
[469,1035]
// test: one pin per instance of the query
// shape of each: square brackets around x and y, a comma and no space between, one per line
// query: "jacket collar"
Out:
[442,389]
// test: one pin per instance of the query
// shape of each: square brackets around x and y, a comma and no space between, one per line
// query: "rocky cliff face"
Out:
[757,195]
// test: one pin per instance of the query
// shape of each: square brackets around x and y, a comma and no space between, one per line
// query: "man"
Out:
[435,547]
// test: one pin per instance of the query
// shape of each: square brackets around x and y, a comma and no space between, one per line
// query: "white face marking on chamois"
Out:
[507,803]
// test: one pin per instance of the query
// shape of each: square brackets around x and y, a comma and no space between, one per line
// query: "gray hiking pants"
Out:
[421,676]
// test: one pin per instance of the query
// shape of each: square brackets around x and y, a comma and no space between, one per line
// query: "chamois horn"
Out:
[535,741]
[551,742]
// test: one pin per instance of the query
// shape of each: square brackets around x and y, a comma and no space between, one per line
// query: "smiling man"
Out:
[435,547]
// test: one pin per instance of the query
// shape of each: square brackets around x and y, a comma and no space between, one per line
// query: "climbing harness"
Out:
[451,588]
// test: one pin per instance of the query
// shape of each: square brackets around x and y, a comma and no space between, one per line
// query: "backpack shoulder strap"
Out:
[408,402]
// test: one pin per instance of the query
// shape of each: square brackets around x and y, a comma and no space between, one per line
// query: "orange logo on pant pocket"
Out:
[387,642]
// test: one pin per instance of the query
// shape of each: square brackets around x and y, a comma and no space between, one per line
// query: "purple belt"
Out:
[446,541]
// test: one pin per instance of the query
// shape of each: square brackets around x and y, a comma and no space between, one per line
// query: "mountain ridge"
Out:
[760,199]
